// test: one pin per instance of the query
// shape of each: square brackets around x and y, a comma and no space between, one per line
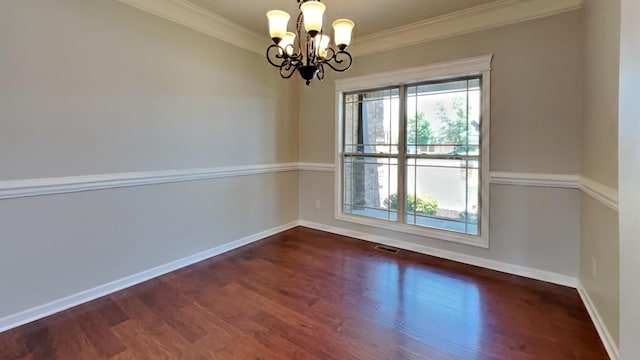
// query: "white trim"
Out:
[605,195]
[190,15]
[59,185]
[56,306]
[477,18]
[601,328]
[535,179]
[317,167]
[469,66]
[542,275]
[485,159]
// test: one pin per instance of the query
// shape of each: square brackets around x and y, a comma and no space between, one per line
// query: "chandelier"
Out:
[308,51]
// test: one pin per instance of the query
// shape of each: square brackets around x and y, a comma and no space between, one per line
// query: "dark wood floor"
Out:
[306,294]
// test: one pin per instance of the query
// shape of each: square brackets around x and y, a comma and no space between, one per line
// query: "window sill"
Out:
[477,241]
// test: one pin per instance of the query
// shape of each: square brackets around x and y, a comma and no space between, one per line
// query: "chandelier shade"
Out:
[308,50]
[322,44]
[287,43]
[278,21]
[342,32]
[312,12]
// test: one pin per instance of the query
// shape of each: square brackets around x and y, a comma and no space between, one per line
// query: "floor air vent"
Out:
[386,249]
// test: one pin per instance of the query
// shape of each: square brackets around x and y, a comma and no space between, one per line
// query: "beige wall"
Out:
[139,92]
[629,179]
[95,87]
[599,162]
[600,127]
[536,115]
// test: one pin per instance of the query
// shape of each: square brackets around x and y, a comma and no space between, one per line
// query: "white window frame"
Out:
[481,66]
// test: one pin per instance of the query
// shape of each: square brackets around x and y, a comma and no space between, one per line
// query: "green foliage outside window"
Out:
[453,128]
[419,131]
[422,204]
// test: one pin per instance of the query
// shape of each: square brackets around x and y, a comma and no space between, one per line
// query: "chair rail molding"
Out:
[607,196]
[535,179]
[67,184]
[60,185]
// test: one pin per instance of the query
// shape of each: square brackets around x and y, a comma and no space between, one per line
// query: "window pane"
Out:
[371,122]
[444,118]
[443,194]
[369,184]
[441,134]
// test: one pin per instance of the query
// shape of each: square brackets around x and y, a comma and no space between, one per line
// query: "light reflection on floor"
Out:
[436,309]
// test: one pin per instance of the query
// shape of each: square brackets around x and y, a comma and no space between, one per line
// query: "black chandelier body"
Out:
[307,53]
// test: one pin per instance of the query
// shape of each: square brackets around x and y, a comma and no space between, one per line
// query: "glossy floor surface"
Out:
[306,294]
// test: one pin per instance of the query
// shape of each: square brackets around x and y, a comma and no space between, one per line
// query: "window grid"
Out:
[408,155]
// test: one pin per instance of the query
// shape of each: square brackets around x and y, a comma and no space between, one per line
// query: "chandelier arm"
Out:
[289,68]
[331,54]
[276,55]
[347,61]
[320,73]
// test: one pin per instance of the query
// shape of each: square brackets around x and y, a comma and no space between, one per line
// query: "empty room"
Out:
[303,179]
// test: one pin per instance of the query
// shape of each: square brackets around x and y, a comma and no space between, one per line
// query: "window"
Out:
[414,156]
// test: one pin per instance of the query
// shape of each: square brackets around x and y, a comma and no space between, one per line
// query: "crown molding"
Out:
[490,15]
[477,18]
[190,15]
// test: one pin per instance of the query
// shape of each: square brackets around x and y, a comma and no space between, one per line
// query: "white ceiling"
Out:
[370,16]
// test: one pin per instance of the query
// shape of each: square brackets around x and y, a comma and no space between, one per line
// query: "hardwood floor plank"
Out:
[307,294]
[153,325]
[140,342]
[100,334]
[110,312]
[239,342]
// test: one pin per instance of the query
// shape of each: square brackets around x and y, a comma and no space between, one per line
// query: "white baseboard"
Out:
[609,344]
[450,255]
[56,306]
